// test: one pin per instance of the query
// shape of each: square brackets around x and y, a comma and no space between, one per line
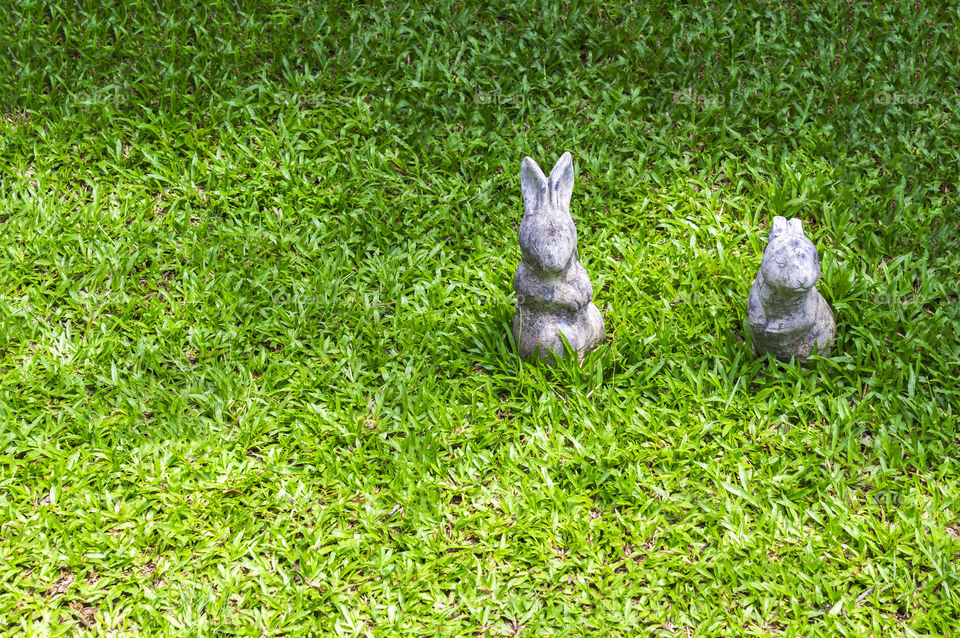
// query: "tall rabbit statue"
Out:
[788,316]
[552,287]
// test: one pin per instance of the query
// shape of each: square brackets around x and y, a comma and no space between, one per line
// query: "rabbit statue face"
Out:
[548,237]
[790,263]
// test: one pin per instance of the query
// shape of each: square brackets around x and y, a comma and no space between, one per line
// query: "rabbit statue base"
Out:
[553,288]
[788,316]
[537,330]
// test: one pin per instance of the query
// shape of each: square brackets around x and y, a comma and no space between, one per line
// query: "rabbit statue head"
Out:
[790,264]
[548,237]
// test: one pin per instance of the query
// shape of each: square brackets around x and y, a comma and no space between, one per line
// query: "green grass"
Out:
[255,289]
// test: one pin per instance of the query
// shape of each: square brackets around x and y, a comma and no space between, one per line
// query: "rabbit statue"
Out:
[788,316]
[553,288]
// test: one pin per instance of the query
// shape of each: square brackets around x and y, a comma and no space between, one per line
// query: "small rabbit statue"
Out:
[553,288]
[788,316]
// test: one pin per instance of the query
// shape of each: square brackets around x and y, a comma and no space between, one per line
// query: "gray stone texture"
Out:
[553,289]
[788,316]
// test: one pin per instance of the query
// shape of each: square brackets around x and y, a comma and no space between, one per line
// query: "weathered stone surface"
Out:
[788,316]
[553,289]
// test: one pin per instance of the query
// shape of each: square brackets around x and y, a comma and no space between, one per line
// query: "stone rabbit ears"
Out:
[784,226]
[540,192]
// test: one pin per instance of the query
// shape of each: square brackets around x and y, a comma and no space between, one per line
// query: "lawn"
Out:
[255,297]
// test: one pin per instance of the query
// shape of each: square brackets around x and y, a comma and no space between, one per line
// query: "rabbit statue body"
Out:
[552,287]
[788,316]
